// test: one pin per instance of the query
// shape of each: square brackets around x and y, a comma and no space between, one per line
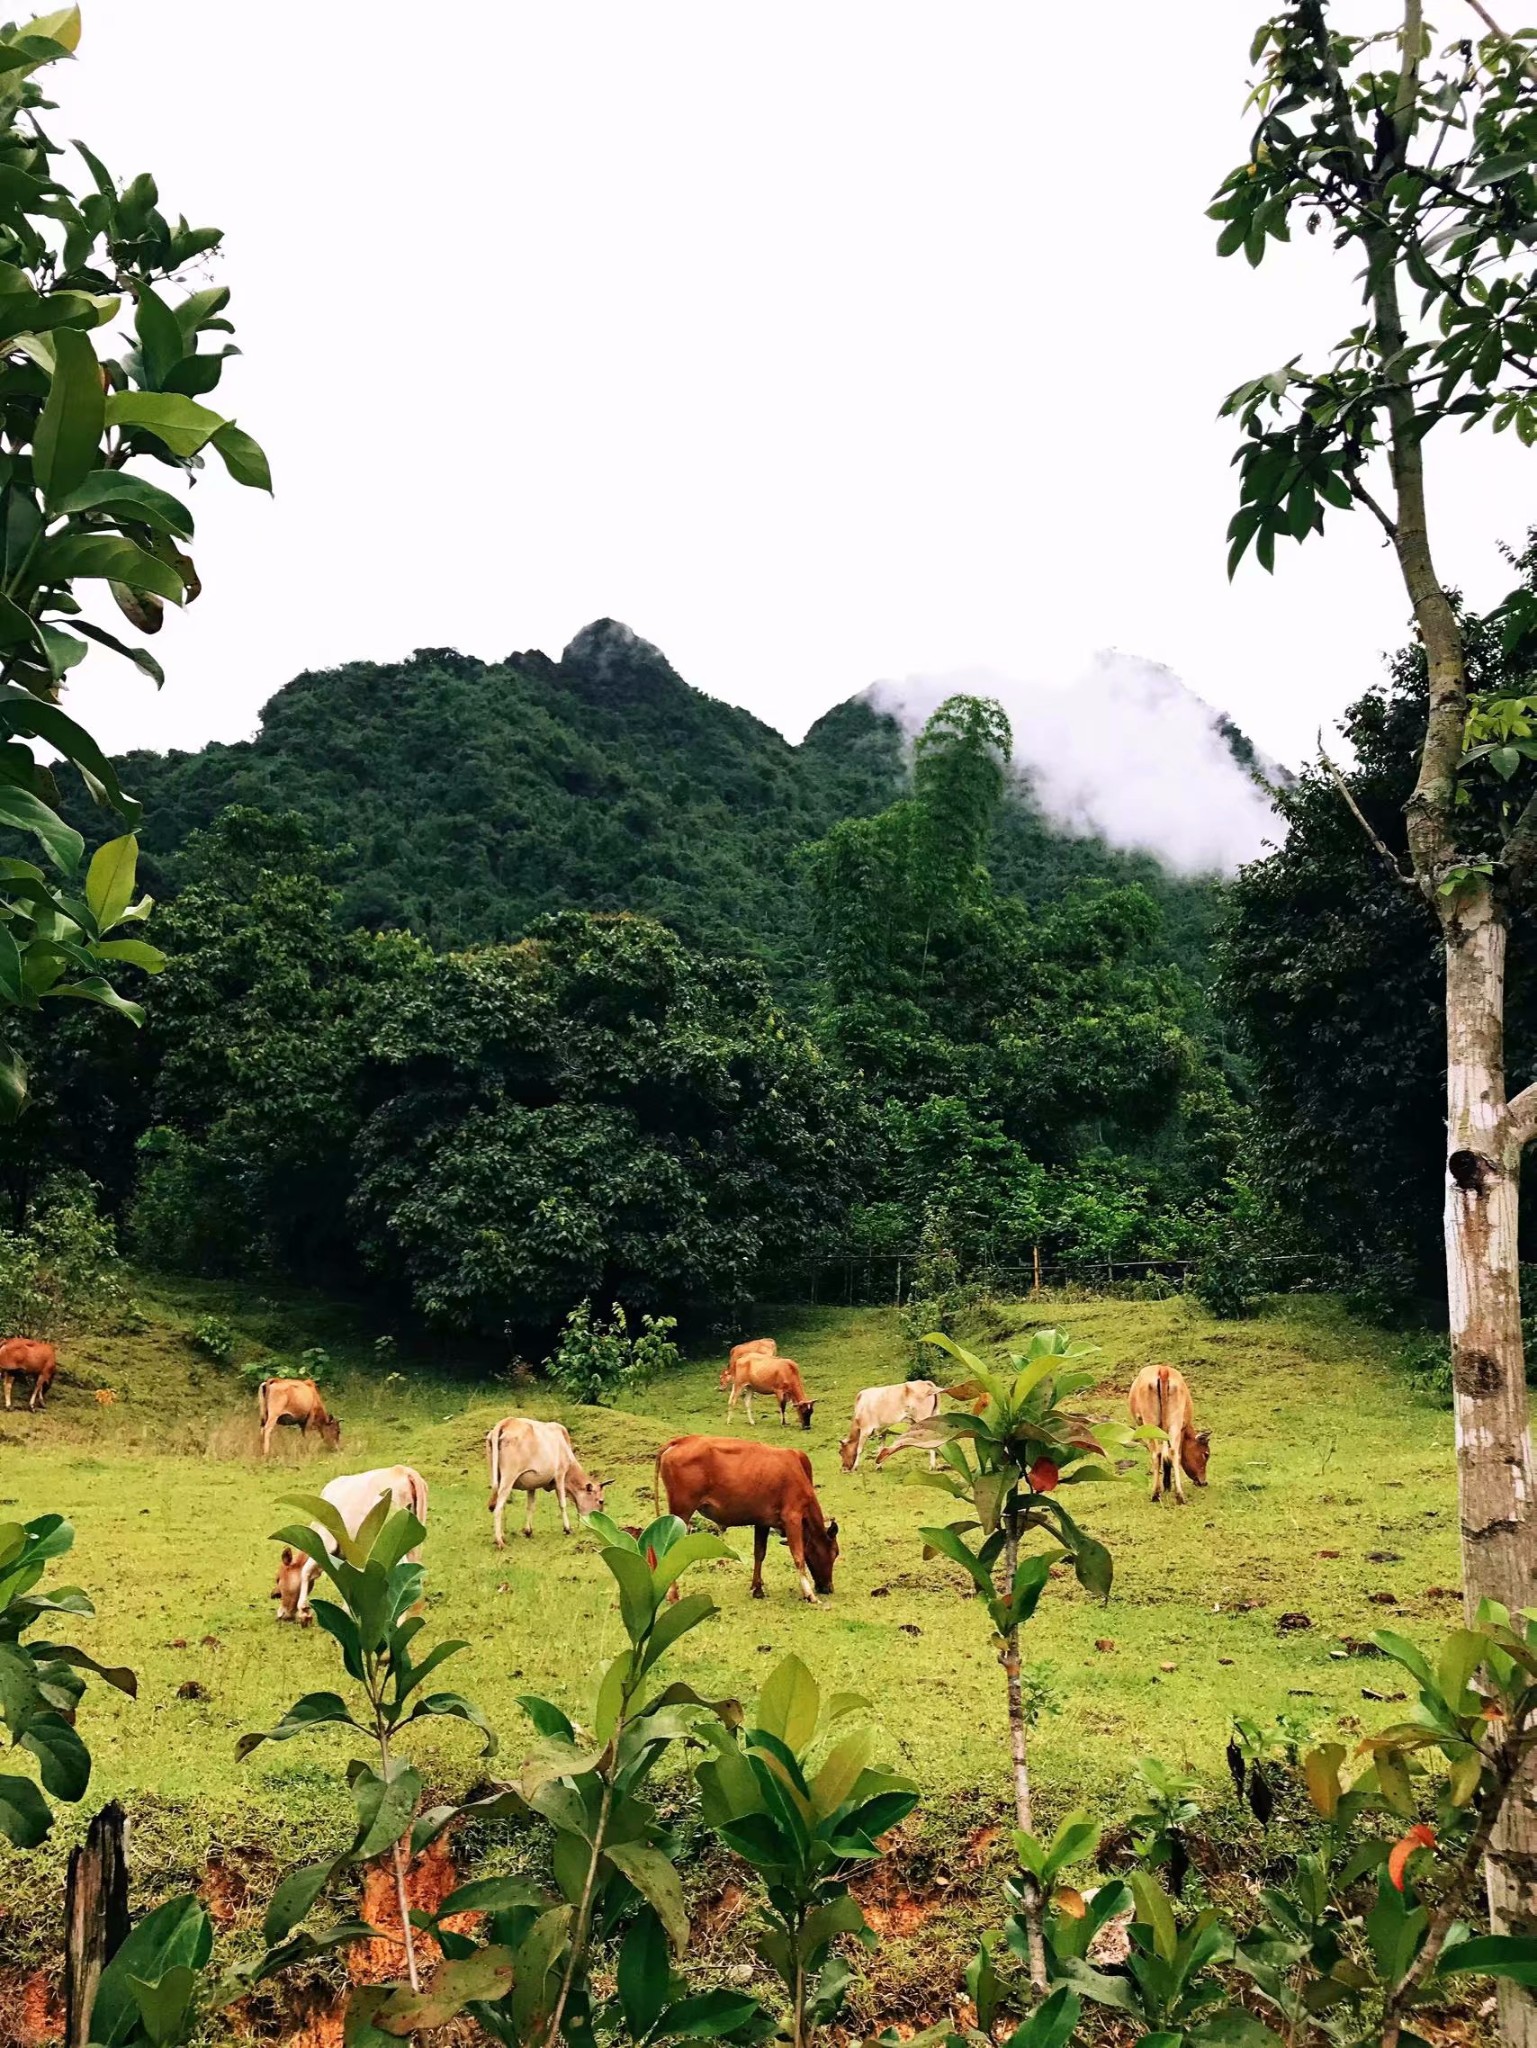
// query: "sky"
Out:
[825,342]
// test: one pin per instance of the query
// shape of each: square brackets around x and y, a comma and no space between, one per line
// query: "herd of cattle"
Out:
[734,1482]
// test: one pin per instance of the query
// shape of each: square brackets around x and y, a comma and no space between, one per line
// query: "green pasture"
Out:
[1332,1489]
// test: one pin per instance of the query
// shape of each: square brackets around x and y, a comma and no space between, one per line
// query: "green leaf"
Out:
[62,843]
[109,880]
[242,457]
[1051,2025]
[637,1593]
[121,496]
[1492,1955]
[160,338]
[492,1895]
[1155,1913]
[481,1978]
[111,557]
[386,1806]
[547,1717]
[707,2015]
[645,1974]
[175,1935]
[1094,1567]
[1233,2028]
[165,2006]
[315,1710]
[841,1771]
[68,440]
[292,1900]
[93,990]
[790,1703]
[181,423]
[24,1815]
[21,712]
[657,1882]
[64,1759]
[132,952]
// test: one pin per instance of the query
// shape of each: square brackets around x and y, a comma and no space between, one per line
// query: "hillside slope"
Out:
[472,797]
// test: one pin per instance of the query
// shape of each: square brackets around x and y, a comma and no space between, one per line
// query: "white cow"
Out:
[532,1457]
[353,1496]
[879,1409]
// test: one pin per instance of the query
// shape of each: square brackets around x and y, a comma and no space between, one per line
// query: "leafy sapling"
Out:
[611,1856]
[802,1827]
[1006,1456]
[40,1682]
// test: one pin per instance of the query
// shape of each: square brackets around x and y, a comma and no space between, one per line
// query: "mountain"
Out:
[467,798]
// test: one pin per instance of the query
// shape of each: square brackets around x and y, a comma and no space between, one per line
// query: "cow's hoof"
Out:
[758,1593]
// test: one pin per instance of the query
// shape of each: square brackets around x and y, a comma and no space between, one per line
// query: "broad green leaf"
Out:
[24,1815]
[492,1895]
[707,2015]
[243,458]
[789,1704]
[645,1973]
[132,952]
[637,1593]
[1513,1956]
[113,558]
[94,990]
[546,1717]
[64,1760]
[482,1977]
[109,879]
[314,1710]
[386,1807]
[840,1772]
[160,338]
[1155,1913]
[116,493]
[62,843]
[165,2006]
[67,446]
[657,1882]
[174,1935]
[1051,2025]
[292,1900]
[181,423]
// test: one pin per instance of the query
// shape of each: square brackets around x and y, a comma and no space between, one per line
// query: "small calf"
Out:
[27,1359]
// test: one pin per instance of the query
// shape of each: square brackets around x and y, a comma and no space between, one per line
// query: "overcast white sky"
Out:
[821,341]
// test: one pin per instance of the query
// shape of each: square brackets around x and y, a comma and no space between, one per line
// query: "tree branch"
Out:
[1362,820]
[1521,1115]
[1489,22]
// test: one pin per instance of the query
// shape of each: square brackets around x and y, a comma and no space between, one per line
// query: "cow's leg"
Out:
[36,1401]
[760,1537]
[731,1404]
[795,1538]
[747,1402]
[860,1438]
[560,1495]
[781,1411]
[528,1519]
[498,1505]
[1177,1467]
[10,1381]
[302,1610]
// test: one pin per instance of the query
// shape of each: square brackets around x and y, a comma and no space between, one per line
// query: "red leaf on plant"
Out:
[1418,1837]
[1043,1476]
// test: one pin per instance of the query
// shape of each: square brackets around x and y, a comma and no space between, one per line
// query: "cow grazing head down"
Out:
[587,1495]
[821,1555]
[803,1409]
[848,1450]
[1194,1452]
[725,1378]
[330,1432]
[290,1584]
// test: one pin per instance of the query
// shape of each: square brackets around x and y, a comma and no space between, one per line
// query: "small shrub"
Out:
[384,1349]
[62,1271]
[316,1361]
[1426,1358]
[653,1351]
[1229,1282]
[593,1359]
[215,1338]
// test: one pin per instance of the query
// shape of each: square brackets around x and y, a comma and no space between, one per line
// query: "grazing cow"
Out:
[879,1409]
[22,1358]
[753,1370]
[354,1496]
[533,1457]
[741,1485]
[298,1402]
[755,1347]
[1160,1399]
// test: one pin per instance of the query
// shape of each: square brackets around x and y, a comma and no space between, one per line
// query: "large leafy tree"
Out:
[105,357]
[1419,166]
[595,1111]
[993,1039]
[255,1049]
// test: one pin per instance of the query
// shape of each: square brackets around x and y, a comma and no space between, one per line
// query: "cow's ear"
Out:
[832,1528]
[288,1556]
[1203,1436]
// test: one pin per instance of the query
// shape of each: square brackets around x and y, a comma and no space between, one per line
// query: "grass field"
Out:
[1332,1498]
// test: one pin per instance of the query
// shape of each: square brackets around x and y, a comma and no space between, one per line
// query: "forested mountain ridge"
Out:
[470,798]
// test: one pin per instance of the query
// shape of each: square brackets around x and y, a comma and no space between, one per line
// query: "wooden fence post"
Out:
[95,1917]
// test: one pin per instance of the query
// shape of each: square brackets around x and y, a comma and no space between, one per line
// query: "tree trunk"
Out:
[95,1918]
[1494,1450]
[1019,1761]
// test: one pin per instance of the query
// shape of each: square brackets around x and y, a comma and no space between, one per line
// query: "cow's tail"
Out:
[494,1460]
[1166,1453]
[656,1479]
[262,1398]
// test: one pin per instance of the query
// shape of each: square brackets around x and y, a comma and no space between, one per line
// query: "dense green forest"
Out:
[465,799]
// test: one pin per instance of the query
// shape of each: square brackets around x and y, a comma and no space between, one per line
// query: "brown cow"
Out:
[1160,1399]
[753,1370]
[25,1358]
[741,1485]
[298,1402]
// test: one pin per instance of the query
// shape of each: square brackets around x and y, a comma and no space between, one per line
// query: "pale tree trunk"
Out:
[1494,1450]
